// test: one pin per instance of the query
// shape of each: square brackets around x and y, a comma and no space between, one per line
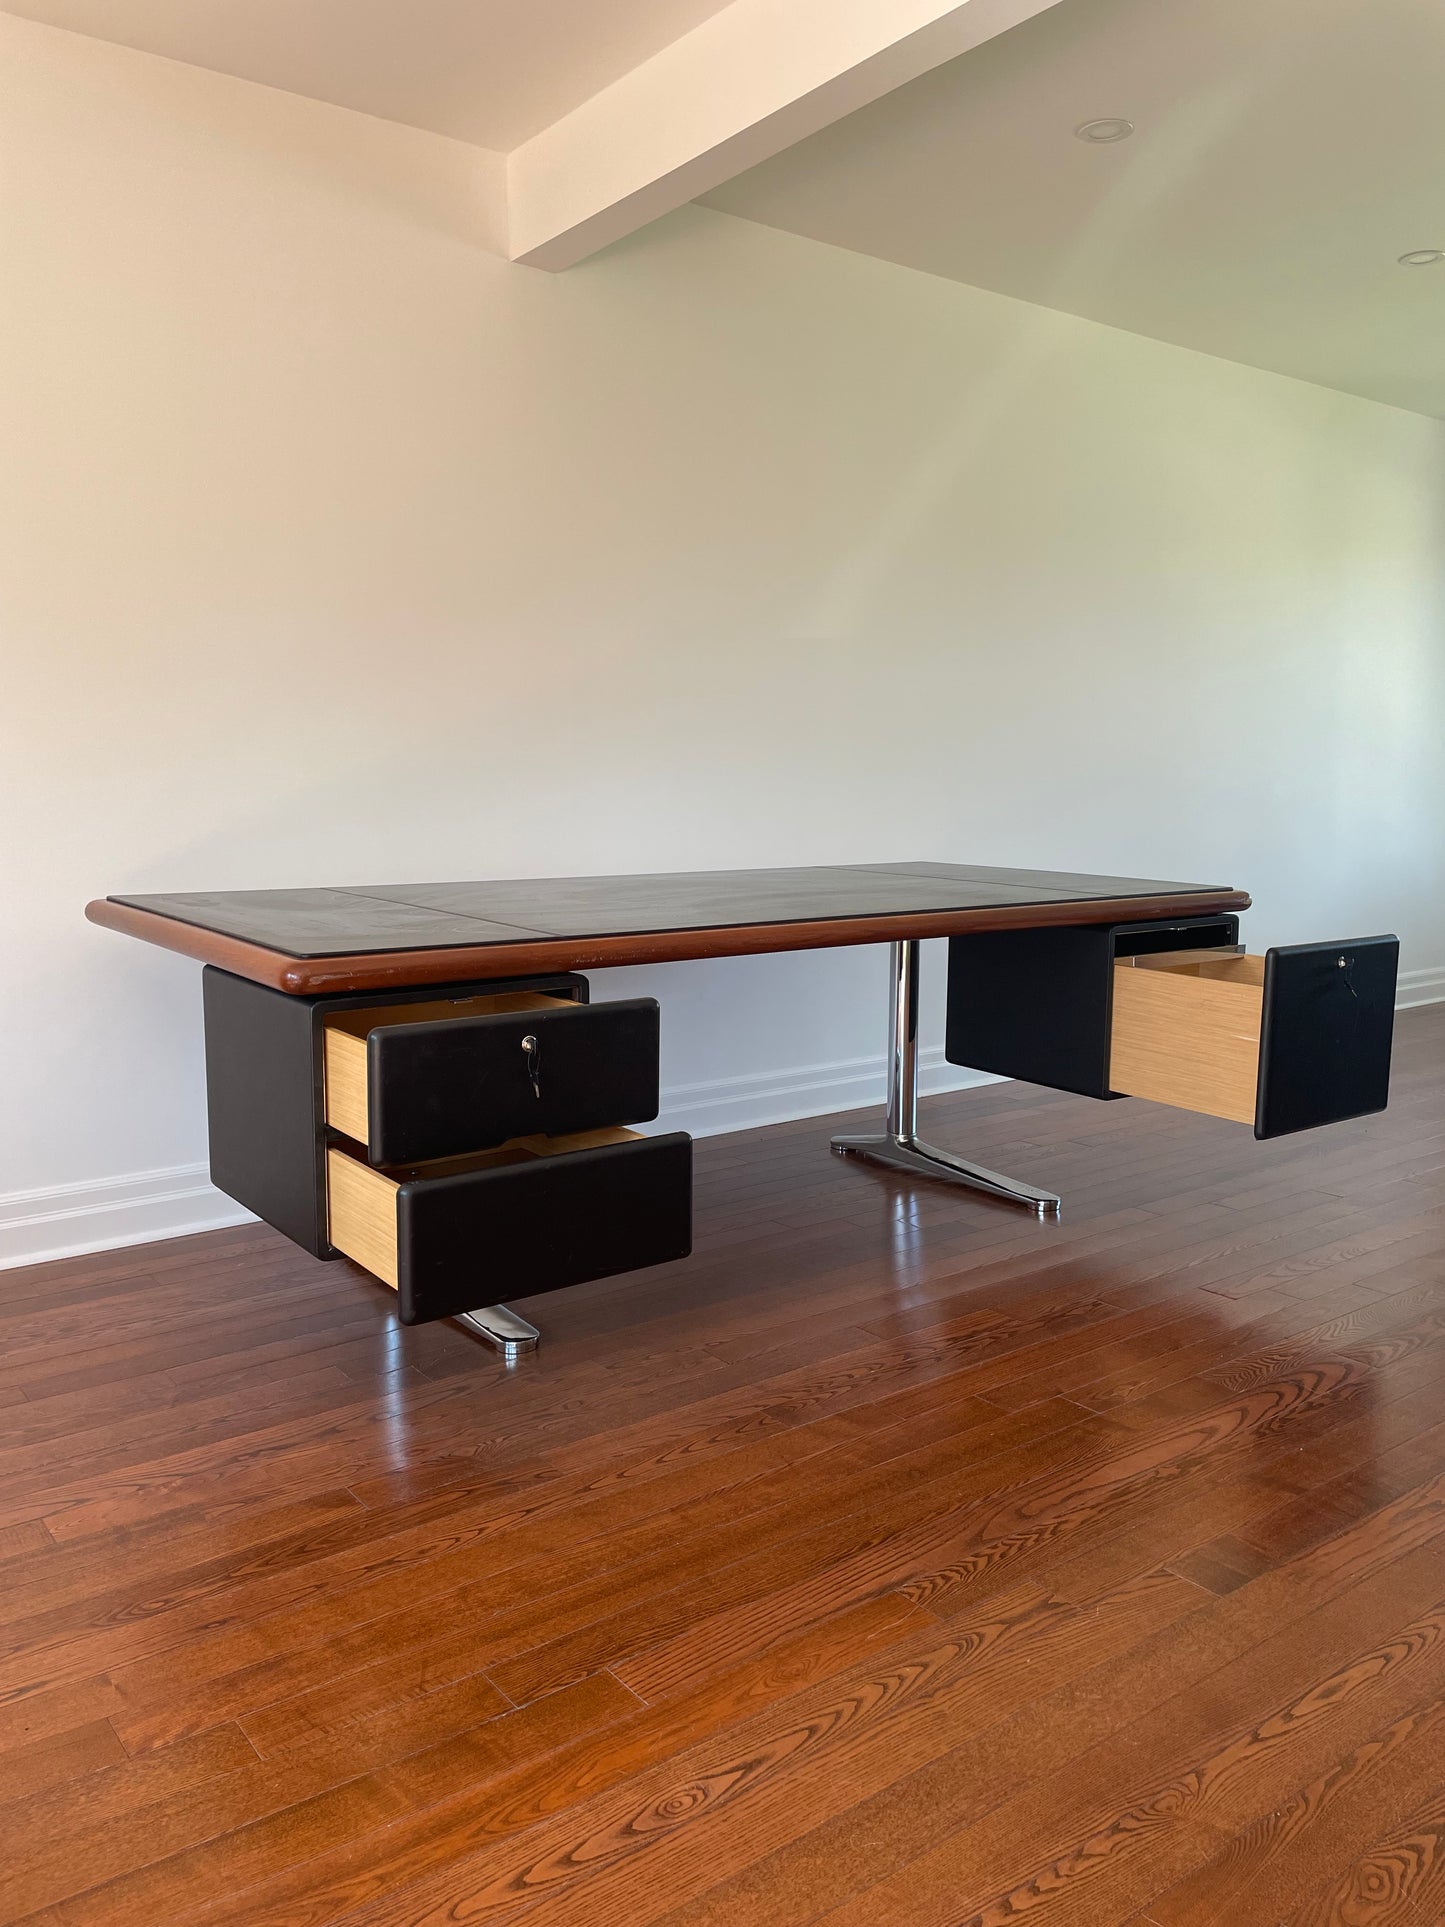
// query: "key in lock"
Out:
[532,1051]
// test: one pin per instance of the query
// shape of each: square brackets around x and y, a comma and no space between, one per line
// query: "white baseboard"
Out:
[67,1220]
[1420,987]
[803,1090]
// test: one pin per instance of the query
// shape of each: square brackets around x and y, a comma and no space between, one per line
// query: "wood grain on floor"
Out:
[896,1561]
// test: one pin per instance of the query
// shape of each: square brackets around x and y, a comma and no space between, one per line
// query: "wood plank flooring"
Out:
[897,1561]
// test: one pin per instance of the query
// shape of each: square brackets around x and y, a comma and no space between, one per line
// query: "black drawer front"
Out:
[475,1238]
[1035,1004]
[440,1090]
[1329,1018]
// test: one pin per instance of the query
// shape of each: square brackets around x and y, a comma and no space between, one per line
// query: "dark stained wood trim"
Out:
[390,969]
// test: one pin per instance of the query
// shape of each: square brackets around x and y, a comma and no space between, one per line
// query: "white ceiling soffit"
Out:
[492,72]
[744,85]
[610,112]
[1286,153]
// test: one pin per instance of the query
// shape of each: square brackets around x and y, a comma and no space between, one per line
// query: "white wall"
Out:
[334,549]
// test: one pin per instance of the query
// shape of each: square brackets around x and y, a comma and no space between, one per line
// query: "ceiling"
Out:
[493,72]
[1286,152]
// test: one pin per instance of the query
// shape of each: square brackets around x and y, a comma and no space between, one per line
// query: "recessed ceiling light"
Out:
[1102,133]
[1421,257]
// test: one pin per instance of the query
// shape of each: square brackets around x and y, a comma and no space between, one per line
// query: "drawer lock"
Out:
[532,1051]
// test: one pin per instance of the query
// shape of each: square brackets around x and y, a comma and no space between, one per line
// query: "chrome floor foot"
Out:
[513,1337]
[924,1161]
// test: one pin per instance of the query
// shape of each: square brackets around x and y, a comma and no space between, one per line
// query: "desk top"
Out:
[383,937]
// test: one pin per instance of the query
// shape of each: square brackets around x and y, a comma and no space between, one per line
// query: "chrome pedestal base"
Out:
[513,1337]
[924,1161]
[899,1147]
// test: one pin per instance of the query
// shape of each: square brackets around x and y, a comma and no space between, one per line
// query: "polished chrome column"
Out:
[899,1148]
[903,1030]
[513,1337]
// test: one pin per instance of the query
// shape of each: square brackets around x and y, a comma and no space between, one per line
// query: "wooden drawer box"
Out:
[1293,1039]
[438,1078]
[1035,1004]
[1177,1013]
[528,1217]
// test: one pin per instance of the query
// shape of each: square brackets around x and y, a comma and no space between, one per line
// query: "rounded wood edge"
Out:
[397,969]
[320,976]
[242,959]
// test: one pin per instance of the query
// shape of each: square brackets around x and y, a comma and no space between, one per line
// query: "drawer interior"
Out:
[361,1198]
[1186,1031]
[345,1056]
[1035,1004]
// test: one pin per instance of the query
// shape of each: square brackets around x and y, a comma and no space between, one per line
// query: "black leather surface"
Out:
[417,916]
[477,1238]
[1329,1016]
[1037,1004]
[264,1090]
[437,1090]
[263,1097]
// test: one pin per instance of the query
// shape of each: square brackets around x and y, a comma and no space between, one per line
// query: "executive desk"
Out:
[413,1075]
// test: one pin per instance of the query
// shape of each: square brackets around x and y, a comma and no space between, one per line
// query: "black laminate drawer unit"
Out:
[524,1219]
[434,1080]
[1036,1004]
[1297,1038]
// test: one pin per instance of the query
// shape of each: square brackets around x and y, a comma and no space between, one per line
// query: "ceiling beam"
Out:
[751,80]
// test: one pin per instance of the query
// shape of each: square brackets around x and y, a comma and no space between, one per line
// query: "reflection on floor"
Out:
[897,1561]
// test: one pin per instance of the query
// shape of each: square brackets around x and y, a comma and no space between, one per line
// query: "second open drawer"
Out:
[528,1217]
[1293,1039]
[437,1079]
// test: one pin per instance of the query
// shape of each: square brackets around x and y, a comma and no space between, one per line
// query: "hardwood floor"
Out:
[897,1561]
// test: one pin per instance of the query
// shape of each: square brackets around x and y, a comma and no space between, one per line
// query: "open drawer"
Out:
[1293,1039]
[439,1078]
[528,1217]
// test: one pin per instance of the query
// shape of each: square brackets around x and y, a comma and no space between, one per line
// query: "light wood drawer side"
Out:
[361,1214]
[1187,1038]
[361,1200]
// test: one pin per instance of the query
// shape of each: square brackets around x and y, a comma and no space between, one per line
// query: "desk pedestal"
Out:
[899,1147]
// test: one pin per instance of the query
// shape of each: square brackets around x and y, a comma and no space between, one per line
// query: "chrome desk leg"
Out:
[513,1337]
[899,1147]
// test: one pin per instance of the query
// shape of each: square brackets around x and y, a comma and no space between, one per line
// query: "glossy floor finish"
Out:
[897,1561]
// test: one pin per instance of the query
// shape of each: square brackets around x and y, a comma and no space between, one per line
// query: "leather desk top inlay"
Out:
[359,937]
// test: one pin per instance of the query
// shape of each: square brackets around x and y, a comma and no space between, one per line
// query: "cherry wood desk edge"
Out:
[456,963]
